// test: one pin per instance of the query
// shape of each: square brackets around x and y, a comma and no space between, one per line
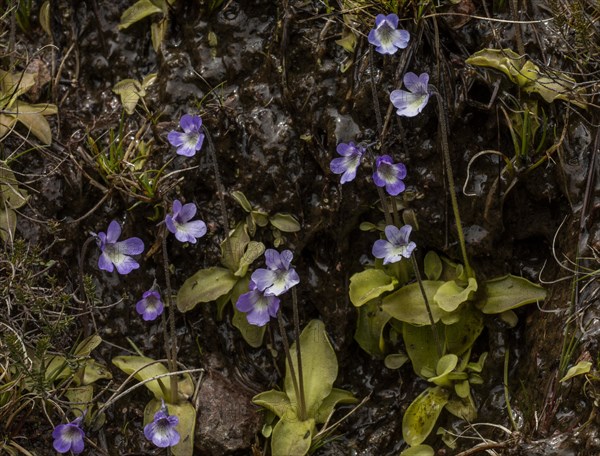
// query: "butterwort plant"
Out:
[69,437]
[386,37]
[190,140]
[410,103]
[115,253]
[179,222]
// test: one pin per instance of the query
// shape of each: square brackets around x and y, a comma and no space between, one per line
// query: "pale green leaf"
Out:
[420,347]
[395,360]
[581,368]
[7,122]
[432,265]
[130,91]
[242,200]
[85,347]
[80,397]
[93,371]
[145,369]
[369,329]
[205,286]
[8,224]
[44,17]
[32,116]
[14,84]
[137,12]
[319,367]
[337,396]
[277,402]
[418,450]
[253,251]
[461,335]
[234,247]
[157,33]
[451,295]
[463,408]
[148,80]
[11,196]
[292,437]
[422,414]
[462,389]
[285,222]
[252,334]
[407,303]
[509,292]
[347,41]
[369,284]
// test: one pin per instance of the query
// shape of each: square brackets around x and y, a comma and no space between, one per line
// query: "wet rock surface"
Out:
[268,82]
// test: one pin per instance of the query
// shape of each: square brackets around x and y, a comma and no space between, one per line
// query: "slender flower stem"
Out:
[374,92]
[395,213]
[384,205]
[298,351]
[172,337]
[434,328]
[442,110]
[87,309]
[286,349]
[220,188]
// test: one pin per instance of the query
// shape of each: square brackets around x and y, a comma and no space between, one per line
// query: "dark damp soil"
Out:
[267,79]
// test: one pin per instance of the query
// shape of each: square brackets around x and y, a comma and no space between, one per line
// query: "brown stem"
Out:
[172,354]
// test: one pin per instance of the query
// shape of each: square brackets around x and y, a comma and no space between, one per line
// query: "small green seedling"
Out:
[132,91]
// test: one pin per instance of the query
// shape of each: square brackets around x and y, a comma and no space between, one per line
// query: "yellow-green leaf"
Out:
[581,368]
[369,284]
[137,12]
[422,414]
[205,286]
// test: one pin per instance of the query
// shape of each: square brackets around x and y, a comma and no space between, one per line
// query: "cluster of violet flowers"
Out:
[387,39]
[261,302]
[115,254]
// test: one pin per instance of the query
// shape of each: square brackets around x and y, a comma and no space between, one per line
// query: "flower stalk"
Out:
[172,336]
[434,328]
[442,110]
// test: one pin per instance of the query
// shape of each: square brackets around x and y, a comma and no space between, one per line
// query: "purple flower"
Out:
[69,437]
[150,306]
[161,431]
[259,307]
[190,141]
[347,164]
[411,103]
[280,275]
[386,36]
[397,245]
[116,253]
[178,222]
[389,175]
